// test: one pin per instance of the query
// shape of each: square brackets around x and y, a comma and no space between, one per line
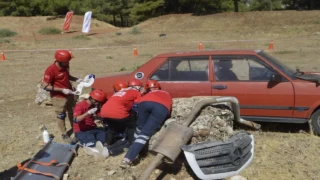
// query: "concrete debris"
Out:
[43,97]
[65,176]
[110,173]
[215,122]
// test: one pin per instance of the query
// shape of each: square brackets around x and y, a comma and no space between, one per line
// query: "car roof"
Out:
[209,52]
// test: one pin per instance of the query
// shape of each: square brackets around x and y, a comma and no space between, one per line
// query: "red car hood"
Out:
[113,74]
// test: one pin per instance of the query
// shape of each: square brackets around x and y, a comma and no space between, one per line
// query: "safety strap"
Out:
[51,163]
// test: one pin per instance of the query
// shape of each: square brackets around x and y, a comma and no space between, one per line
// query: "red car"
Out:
[267,89]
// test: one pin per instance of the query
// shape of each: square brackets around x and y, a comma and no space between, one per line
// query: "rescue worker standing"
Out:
[84,126]
[57,80]
[117,111]
[154,108]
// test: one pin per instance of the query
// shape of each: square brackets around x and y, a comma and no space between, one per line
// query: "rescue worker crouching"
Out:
[154,108]
[117,111]
[57,80]
[84,127]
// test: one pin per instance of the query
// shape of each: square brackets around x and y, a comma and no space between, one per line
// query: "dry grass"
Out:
[279,154]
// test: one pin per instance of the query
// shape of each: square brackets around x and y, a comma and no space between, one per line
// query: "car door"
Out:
[184,76]
[247,78]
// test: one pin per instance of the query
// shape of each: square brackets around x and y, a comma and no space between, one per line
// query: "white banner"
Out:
[86,22]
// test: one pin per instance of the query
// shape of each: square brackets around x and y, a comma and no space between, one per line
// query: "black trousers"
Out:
[126,126]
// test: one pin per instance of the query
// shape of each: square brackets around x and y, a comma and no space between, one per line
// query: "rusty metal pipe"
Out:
[152,166]
[236,111]
[235,106]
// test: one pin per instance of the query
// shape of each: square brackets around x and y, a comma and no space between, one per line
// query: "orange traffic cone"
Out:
[135,52]
[271,45]
[200,46]
[2,56]
[71,54]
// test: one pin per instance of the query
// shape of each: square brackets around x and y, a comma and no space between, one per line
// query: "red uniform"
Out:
[86,124]
[119,104]
[159,96]
[58,77]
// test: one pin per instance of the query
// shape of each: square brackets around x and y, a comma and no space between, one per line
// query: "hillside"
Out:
[282,152]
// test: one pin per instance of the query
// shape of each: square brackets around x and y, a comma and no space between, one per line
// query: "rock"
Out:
[101,179]
[238,177]
[157,171]
[30,153]
[172,178]
[65,176]
[38,137]
[189,178]
[132,177]
[110,173]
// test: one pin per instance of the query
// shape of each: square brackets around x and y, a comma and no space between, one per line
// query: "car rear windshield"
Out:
[283,67]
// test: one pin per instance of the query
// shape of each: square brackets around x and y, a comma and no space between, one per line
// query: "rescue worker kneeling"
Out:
[154,108]
[84,127]
[117,110]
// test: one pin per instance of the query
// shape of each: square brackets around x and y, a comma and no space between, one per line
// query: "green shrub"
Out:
[135,30]
[2,41]
[49,30]
[122,69]
[81,37]
[7,33]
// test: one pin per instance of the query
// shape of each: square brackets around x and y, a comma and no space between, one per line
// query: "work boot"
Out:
[66,138]
[125,164]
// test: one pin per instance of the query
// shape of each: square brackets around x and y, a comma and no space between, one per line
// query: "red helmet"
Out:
[135,82]
[98,95]
[120,84]
[152,84]
[63,56]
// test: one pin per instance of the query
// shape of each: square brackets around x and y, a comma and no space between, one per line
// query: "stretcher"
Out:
[47,164]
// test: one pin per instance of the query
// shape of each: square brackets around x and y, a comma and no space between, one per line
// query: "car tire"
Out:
[315,122]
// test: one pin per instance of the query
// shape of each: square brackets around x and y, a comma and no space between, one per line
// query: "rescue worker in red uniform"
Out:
[84,126]
[117,111]
[57,80]
[119,86]
[154,108]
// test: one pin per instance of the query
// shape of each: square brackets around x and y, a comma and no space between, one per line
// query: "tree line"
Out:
[131,12]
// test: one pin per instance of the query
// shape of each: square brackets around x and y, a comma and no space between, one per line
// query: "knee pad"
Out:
[62,116]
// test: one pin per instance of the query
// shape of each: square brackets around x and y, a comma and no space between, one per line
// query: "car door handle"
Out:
[219,87]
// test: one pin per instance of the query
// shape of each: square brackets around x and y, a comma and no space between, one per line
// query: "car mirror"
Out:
[276,78]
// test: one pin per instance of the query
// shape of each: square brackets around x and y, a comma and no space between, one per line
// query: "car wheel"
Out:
[315,122]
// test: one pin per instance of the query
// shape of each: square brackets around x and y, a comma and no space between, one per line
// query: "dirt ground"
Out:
[282,151]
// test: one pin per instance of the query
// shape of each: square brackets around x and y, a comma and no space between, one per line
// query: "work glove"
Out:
[66,91]
[79,80]
[92,111]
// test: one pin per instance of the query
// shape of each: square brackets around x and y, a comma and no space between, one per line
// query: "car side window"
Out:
[240,68]
[162,73]
[183,69]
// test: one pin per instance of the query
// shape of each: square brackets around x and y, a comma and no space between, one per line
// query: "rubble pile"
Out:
[42,97]
[215,122]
